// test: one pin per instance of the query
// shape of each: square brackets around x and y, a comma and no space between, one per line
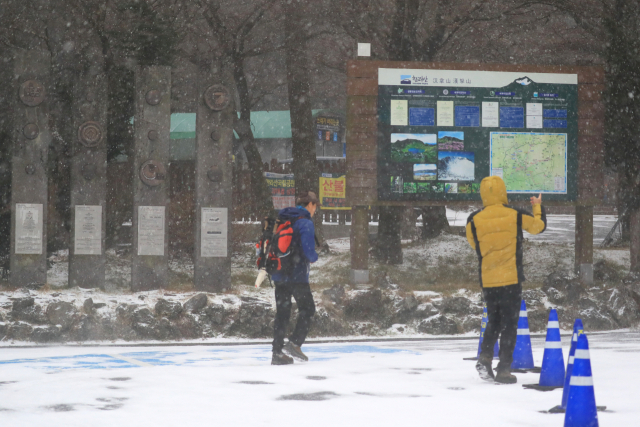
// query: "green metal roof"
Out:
[265,124]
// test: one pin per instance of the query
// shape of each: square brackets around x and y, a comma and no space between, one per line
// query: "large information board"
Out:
[442,131]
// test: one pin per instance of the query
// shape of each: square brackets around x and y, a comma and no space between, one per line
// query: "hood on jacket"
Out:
[493,191]
[294,213]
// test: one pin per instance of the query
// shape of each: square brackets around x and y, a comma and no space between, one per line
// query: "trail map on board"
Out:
[530,162]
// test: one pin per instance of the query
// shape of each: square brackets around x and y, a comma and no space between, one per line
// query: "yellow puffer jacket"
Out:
[495,232]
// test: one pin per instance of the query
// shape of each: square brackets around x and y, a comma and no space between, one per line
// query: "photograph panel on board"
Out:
[456,166]
[414,147]
[450,141]
[425,172]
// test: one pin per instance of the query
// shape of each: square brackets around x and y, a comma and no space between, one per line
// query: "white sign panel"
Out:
[28,229]
[445,113]
[213,232]
[151,223]
[88,230]
[399,113]
[490,115]
[460,78]
[364,49]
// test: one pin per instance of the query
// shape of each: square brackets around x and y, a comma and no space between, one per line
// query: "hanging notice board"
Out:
[441,131]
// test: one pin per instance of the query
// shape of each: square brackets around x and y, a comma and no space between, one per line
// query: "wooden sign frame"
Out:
[362,146]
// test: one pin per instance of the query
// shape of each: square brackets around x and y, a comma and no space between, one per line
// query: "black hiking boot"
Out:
[293,350]
[279,358]
[504,376]
[484,368]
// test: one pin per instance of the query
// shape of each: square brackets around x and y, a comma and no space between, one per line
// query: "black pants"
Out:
[503,310]
[306,309]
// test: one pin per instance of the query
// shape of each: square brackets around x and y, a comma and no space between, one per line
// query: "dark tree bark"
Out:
[233,42]
[388,244]
[260,192]
[305,166]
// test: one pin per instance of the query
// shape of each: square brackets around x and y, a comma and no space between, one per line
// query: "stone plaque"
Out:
[217,97]
[90,134]
[32,93]
[28,228]
[151,230]
[88,230]
[213,232]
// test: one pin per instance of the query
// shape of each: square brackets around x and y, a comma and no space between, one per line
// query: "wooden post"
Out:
[214,136]
[31,138]
[149,268]
[89,180]
[634,222]
[359,245]
[584,244]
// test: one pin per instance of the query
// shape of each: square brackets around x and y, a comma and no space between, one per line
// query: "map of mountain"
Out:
[530,162]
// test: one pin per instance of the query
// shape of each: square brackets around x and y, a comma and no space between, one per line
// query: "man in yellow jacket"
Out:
[495,232]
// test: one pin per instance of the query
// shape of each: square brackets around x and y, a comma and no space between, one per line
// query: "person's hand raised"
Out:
[536,200]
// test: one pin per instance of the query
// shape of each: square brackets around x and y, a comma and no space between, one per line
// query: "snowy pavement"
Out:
[401,383]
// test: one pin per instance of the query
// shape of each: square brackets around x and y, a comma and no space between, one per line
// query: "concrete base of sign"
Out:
[359,277]
[585,272]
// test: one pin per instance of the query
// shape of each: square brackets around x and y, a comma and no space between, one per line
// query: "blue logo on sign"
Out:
[405,79]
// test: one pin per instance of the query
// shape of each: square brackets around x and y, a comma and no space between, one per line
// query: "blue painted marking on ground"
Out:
[184,358]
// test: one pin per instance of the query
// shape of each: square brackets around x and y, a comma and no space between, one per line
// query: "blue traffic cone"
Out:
[522,354]
[552,372]
[581,405]
[578,329]
[483,326]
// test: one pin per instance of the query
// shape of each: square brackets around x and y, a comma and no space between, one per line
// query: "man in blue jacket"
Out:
[296,283]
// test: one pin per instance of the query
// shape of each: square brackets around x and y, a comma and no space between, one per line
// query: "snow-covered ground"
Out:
[560,228]
[345,384]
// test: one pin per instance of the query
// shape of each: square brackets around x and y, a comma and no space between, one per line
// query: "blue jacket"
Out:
[304,245]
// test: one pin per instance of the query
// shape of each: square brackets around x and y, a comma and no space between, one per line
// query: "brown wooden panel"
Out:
[357,181]
[592,75]
[362,123]
[590,127]
[362,173]
[362,69]
[591,110]
[360,163]
[590,144]
[590,92]
[369,69]
[357,105]
[590,167]
[362,87]
[363,140]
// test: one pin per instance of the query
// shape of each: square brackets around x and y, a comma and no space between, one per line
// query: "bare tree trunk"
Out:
[434,221]
[305,166]
[259,190]
[388,244]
